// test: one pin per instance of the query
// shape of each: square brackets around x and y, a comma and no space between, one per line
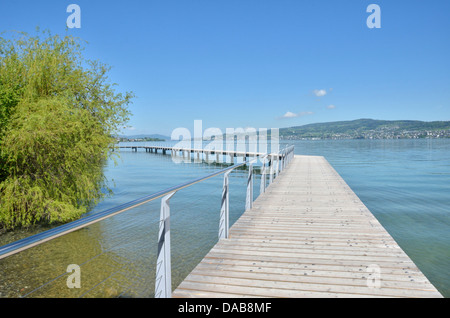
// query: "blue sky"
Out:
[260,63]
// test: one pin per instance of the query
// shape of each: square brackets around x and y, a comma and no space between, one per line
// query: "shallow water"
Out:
[117,256]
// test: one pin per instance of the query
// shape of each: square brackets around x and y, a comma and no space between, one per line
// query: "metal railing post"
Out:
[262,187]
[249,196]
[278,165]
[224,209]
[282,160]
[271,169]
[163,283]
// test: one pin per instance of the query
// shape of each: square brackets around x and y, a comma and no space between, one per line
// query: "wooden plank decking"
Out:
[309,235]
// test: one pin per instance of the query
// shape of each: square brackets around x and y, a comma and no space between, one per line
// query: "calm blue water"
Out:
[405,183]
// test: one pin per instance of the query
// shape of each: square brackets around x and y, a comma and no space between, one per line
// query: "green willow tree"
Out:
[58,113]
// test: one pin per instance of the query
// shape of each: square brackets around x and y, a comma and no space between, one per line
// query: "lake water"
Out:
[404,183]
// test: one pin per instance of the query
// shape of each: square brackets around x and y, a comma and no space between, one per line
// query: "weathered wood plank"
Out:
[193,289]
[308,235]
[302,269]
[310,267]
[239,272]
[282,285]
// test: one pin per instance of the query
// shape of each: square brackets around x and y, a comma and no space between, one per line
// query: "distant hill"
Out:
[369,129]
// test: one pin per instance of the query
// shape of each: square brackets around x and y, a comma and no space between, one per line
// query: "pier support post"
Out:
[163,283]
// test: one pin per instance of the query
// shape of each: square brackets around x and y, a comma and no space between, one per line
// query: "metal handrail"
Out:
[163,271]
[23,244]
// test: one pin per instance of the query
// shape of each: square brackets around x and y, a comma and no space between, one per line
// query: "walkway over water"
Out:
[184,151]
[308,235]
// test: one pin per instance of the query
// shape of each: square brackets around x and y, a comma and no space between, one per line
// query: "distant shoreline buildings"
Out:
[368,129]
[373,135]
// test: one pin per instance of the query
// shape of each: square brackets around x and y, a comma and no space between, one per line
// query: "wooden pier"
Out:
[198,152]
[308,235]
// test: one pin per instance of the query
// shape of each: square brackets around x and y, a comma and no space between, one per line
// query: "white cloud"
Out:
[319,92]
[331,107]
[293,115]
[289,115]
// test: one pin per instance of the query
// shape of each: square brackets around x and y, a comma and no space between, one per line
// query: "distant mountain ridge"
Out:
[369,129]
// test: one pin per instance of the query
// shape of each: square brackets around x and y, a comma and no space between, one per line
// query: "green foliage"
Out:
[57,115]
